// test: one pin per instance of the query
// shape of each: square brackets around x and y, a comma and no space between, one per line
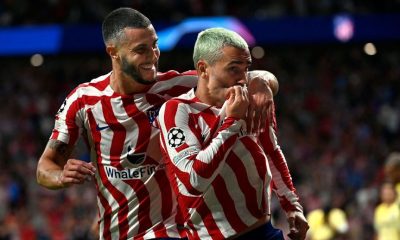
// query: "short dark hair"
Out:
[119,19]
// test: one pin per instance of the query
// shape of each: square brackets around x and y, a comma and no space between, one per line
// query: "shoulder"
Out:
[164,76]
[94,87]
[182,102]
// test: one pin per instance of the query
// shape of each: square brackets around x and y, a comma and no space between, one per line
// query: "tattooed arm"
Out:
[56,170]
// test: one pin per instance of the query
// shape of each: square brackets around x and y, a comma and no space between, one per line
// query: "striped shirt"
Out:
[221,175]
[135,199]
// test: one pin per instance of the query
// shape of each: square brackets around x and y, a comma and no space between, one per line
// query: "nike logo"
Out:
[98,128]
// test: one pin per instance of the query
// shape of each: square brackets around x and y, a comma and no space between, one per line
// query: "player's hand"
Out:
[76,172]
[298,226]
[260,108]
[238,102]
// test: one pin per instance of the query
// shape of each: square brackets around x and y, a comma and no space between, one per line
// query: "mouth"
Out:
[148,67]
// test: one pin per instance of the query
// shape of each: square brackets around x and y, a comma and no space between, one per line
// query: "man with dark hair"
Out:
[115,113]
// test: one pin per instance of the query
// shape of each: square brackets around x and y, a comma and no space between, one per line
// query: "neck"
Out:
[124,85]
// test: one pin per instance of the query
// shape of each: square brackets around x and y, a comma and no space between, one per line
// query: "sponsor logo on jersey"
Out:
[186,153]
[135,158]
[176,137]
[131,173]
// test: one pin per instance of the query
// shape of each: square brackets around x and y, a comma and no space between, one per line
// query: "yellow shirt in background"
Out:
[387,221]
[325,228]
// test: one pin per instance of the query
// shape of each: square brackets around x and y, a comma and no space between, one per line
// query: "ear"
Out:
[202,68]
[112,51]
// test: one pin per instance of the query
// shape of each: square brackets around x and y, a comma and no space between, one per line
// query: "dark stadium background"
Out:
[338,107]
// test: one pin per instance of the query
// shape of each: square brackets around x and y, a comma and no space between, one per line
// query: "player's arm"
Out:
[282,181]
[267,78]
[173,83]
[262,87]
[197,163]
[55,170]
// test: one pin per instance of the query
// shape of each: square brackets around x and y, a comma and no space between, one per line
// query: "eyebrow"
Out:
[239,62]
[144,44]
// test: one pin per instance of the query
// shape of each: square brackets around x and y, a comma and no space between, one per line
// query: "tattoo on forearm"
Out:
[60,147]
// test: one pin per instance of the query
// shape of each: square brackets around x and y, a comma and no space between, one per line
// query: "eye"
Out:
[234,69]
[155,45]
[140,50]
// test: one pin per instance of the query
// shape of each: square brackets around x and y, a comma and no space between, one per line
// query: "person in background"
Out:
[114,114]
[327,224]
[220,172]
[387,214]
[392,171]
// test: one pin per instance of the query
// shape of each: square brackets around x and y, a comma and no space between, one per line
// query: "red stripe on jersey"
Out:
[209,222]
[257,154]
[248,190]
[107,208]
[54,134]
[177,89]
[280,163]
[213,122]
[142,195]
[206,170]
[117,144]
[171,74]
[166,195]
[192,233]
[142,141]
[119,132]
[194,127]
[144,130]
[101,85]
[155,100]
[229,205]
[172,107]
[71,125]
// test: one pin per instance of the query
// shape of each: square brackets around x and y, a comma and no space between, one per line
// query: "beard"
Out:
[134,73]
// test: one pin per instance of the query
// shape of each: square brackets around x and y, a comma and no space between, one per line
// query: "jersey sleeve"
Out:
[172,83]
[281,179]
[68,121]
[194,164]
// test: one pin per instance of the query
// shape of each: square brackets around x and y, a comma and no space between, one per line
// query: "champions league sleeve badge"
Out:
[176,137]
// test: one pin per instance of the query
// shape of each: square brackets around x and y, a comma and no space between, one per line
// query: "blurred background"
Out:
[338,107]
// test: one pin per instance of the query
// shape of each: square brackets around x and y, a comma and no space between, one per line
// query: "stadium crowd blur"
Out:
[338,112]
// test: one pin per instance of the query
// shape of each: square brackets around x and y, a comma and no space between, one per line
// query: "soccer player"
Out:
[220,172]
[114,114]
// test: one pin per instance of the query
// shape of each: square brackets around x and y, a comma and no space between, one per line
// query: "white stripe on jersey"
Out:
[250,167]
[218,214]
[233,184]
[119,126]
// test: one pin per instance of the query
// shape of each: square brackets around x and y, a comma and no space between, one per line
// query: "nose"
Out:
[243,80]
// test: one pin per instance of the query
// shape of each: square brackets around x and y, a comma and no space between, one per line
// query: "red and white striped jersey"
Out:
[221,175]
[135,199]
